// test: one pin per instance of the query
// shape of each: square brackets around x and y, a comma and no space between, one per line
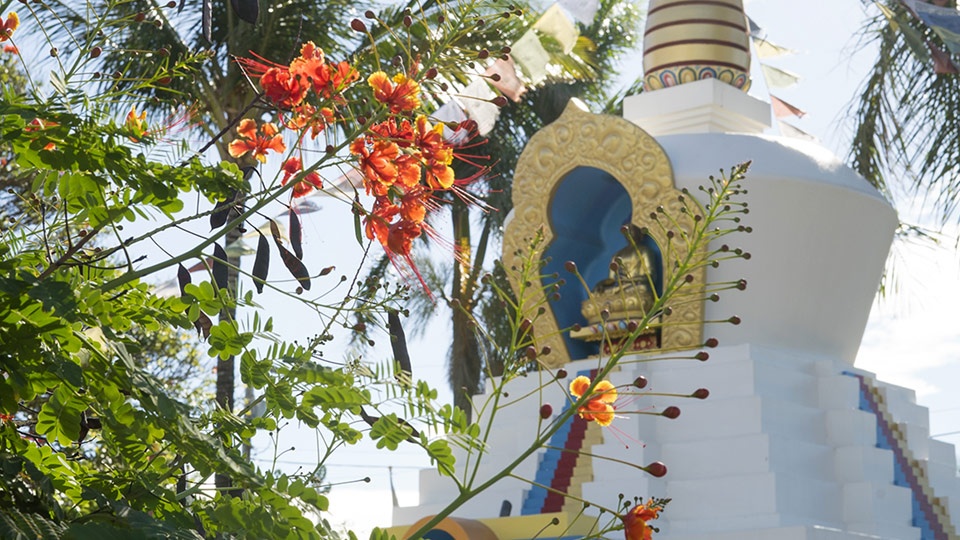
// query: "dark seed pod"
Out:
[296,234]
[261,265]
[219,266]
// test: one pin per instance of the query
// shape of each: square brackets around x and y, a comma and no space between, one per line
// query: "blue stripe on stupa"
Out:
[923,517]
[536,496]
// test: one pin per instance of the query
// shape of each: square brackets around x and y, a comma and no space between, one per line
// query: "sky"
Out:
[911,339]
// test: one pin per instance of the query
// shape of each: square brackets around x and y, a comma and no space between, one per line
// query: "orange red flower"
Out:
[635,521]
[311,180]
[136,125]
[283,88]
[401,95]
[378,163]
[437,154]
[599,405]
[9,26]
[250,141]
[306,115]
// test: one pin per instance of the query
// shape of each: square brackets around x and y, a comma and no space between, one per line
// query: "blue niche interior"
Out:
[587,210]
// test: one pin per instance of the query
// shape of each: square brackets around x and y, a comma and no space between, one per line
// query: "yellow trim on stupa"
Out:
[568,524]
[636,160]
[918,467]
[583,473]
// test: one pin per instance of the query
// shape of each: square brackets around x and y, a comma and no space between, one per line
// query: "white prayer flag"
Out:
[767,49]
[557,24]
[475,100]
[531,56]
[449,112]
[779,78]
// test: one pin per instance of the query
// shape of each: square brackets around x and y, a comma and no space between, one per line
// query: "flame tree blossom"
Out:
[288,86]
[635,521]
[404,159]
[256,141]
[311,180]
[402,94]
[9,26]
[403,164]
[599,405]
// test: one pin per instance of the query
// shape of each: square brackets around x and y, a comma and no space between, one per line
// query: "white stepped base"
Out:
[780,451]
[790,533]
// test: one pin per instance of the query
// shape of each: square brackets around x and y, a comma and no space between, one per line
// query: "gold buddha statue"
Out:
[625,295]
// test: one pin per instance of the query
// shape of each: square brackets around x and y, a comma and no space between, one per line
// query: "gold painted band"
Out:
[732,4]
[700,63]
[691,14]
[696,31]
[718,42]
[696,54]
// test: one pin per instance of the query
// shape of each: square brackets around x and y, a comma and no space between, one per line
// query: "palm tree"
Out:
[906,119]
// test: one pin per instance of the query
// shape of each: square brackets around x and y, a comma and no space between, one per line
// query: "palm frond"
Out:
[906,120]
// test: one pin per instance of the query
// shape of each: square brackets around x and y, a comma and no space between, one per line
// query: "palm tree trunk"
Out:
[226,369]
[465,362]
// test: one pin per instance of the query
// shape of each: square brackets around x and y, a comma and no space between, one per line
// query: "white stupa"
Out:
[794,442]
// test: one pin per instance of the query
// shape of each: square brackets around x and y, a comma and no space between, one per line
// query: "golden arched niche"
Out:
[613,145]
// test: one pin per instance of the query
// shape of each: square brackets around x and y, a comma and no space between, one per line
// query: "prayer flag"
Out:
[476,100]
[531,56]
[782,109]
[508,84]
[557,24]
[942,20]
[788,130]
[779,78]
[767,49]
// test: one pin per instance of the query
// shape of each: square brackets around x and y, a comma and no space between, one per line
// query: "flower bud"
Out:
[656,469]
[546,411]
[671,412]
[358,25]
[640,382]
[700,393]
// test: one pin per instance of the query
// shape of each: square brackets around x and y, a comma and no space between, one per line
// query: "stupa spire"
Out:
[690,40]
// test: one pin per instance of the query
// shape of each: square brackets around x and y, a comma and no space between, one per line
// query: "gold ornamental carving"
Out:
[614,145]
